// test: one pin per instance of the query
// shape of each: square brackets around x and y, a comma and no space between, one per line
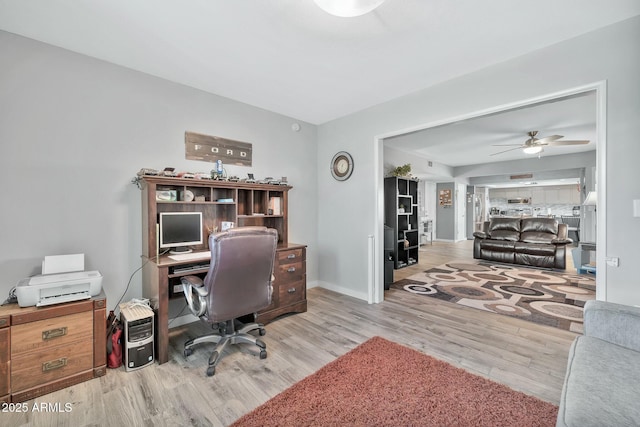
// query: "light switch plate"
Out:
[613,261]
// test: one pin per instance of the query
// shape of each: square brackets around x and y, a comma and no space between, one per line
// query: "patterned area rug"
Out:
[547,297]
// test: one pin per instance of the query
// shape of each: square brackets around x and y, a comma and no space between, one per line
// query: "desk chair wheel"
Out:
[263,348]
[188,352]
[262,332]
[211,370]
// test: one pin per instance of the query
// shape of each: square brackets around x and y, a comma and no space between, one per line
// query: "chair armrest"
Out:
[480,234]
[196,283]
[616,323]
[189,284]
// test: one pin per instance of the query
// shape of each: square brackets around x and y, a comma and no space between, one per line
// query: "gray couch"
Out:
[602,384]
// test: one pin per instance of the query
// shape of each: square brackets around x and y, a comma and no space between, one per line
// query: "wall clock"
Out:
[342,166]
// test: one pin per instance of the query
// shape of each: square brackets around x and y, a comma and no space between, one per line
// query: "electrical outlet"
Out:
[613,261]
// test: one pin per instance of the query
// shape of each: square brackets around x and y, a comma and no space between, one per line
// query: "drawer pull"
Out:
[291,256]
[54,333]
[291,290]
[291,269]
[3,322]
[54,364]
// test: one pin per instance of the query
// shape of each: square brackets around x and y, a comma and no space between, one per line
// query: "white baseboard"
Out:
[342,290]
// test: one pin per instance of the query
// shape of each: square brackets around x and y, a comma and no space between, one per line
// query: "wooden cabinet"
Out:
[43,349]
[498,193]
[241,203]
[401,214]
[549,195]
[289,284]
[538,196]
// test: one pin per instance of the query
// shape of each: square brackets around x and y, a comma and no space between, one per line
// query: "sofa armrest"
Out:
[561,241]
[616,323]
[563,231]
[480,235]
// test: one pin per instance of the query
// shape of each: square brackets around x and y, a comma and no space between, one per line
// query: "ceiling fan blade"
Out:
[548,139]
[510,149]
[569,142]
[508,145]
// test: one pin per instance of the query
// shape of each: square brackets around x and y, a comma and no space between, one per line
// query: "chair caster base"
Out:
[263,354]
[211,370]
[188,352]
[262,332]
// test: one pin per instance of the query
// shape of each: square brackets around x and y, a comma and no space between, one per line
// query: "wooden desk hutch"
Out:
[244,204]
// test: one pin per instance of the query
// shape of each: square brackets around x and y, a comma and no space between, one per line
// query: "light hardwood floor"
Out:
[523,355]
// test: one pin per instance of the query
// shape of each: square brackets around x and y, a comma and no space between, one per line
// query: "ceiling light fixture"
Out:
[348,8]
[534,149]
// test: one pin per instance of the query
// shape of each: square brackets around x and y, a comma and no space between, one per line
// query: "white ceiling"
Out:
[290,57]
[473,141]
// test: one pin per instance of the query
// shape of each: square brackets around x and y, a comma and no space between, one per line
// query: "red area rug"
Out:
[381,383]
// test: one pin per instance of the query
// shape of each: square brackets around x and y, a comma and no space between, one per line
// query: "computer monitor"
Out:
[179,230]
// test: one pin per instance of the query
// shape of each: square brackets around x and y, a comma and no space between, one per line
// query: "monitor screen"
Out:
[178,230]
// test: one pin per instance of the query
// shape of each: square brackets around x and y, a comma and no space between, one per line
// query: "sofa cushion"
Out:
[540,225]
[505,229]
[511,236]
[601,385]
[535,249]
[508,224]
[537,237]
[498,245]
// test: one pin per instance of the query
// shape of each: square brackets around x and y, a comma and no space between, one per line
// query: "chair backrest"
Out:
[239,276]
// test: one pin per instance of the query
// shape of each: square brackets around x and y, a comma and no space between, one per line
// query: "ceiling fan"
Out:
[535,145]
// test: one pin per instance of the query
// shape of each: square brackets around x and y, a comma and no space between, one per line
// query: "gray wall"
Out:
[75,130]
[610,54]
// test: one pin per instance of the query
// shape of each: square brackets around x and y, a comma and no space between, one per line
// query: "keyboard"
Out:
[190,267]
[191,256]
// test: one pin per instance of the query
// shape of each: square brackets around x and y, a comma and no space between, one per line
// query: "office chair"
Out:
[238,283]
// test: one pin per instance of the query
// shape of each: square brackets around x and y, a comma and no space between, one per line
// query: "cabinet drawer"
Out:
[288,273]
[289,256]
[37,368]
[291,293]
[42,335]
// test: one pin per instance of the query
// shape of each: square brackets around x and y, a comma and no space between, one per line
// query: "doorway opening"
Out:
[599,88]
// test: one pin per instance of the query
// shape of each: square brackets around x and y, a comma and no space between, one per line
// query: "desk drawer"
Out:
[32,369]
[287,273]
[290,293]
[42,335]
[289,256]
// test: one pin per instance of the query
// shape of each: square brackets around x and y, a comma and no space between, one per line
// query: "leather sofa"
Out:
[537,242]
